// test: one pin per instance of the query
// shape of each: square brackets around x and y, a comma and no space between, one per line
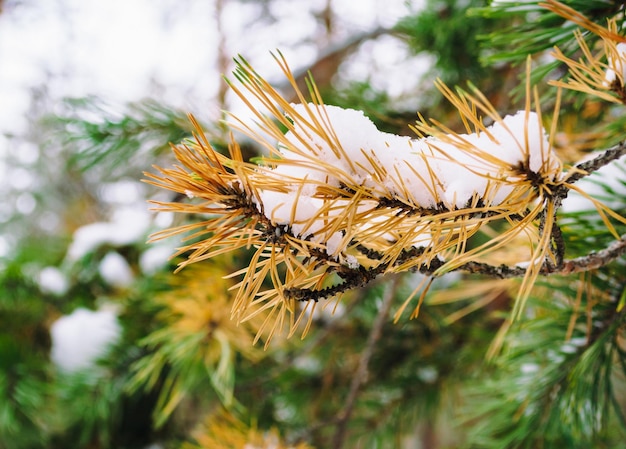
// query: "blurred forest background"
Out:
[102,346]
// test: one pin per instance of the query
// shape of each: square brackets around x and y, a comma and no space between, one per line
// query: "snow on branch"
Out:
[336,202]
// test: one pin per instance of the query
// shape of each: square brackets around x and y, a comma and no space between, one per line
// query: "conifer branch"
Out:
[339,198]
[361,277]
[592,165]
[588,262]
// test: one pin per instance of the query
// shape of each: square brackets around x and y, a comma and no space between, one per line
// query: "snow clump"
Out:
[426,172]
[80,338]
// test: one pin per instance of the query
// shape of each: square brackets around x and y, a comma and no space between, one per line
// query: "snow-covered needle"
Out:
[337,202]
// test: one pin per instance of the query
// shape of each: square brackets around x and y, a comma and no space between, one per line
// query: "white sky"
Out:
[124,50]
[120,49]
[116,48]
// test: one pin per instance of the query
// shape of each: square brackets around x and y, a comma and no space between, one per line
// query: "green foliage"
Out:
[445,29]
[25,389]
[549,391]
[97,409]
[173,368]
[193,349]
[532,29]
[24,398]
[98,138]
[413,374]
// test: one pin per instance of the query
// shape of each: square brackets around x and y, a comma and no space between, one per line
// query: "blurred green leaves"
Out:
[99,138]
[549,391]
[445,29]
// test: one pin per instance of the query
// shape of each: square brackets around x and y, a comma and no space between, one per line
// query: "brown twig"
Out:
[223,57]
[563,267]
[596,259]
[584,263]
[362,372]
[326,66]
[589,262]
[598,162]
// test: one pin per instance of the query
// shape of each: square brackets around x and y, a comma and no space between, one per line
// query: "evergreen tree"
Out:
[457,280]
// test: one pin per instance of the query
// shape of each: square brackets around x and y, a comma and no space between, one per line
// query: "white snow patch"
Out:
[428,374]
[52,280]
[4,246]
[516,5]
[422,171]
[127,226]
[608,184]
[80,338]
[568,348]
[351,261]
[578,341]
[307,364]
[122,192]
[529,368]
[155,257]
[163,220]
[25,203]
[115,270]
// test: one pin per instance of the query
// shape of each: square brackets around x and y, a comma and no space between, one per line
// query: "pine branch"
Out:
[361,277]
[594,260]
[236,200]
[590,166]
[588,262]
[325,205]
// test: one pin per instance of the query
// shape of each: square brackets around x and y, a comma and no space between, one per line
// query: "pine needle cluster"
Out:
[196,344]
[223,431]
[335,203]
[599,75]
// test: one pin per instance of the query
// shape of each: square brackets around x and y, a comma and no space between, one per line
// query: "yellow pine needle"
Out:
[496,345]
[420,301]
[472,307]
[223,431]
[425,281]
[576,306]
[294,255]
[470,289]
[588,74]
[603,210]
[302,313]
[537,259]
[571,14]
[495,243]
